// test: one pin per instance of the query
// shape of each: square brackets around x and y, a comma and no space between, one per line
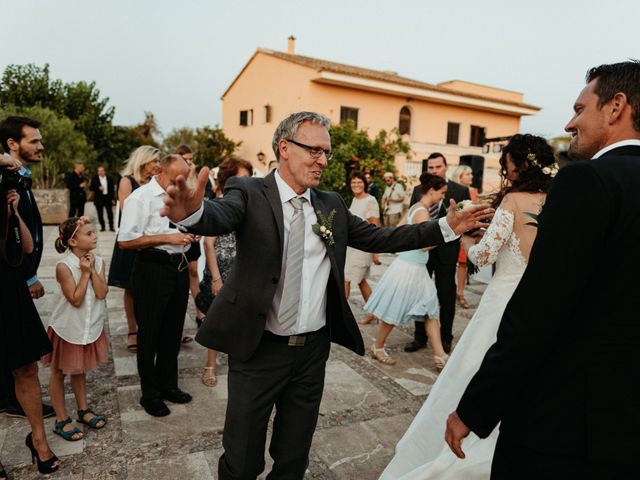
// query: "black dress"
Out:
[122,260]
[23,339]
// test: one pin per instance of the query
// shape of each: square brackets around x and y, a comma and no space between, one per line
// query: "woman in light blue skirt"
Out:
[406,290]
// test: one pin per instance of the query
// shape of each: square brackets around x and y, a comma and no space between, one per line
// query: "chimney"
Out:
[291,47]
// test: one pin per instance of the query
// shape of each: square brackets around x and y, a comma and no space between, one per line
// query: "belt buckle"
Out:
[297,340]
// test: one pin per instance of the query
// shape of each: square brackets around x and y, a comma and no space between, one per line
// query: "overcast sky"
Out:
[176,58]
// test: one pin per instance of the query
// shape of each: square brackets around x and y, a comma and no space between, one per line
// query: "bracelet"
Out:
[216,279]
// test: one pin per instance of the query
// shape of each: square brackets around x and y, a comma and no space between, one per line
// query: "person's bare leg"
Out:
[56,392]
[383,332]
[212,357]
[131,316]
[79,387]
[30,399]
[194,285]
[432,327]
[461,280]
[347,290]
[365,289]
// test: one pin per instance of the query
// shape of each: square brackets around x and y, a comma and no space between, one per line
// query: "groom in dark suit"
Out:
[283,302]
[562,379]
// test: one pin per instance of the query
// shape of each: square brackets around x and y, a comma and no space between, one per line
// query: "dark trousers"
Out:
[160,294]
[76,204]
[513,461]
[445,280]
[292,379]
[100,206]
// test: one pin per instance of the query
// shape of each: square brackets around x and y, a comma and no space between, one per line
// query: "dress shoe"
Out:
[175,395]
[17,412]
[413,346]
[111,229]
[446,346]
[155,407]
[102,229]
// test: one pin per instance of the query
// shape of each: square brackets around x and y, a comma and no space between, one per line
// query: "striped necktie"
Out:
[288,312]
[434,210]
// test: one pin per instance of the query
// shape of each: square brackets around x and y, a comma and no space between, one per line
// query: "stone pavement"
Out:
[366,407]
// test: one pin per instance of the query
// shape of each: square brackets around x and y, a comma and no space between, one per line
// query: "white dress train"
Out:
[422,452]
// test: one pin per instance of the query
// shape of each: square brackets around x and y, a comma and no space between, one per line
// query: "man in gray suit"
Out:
[283,302]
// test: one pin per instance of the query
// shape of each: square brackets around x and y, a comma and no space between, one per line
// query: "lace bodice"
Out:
[508,239]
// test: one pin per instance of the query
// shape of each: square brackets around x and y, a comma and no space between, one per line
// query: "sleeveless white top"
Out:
[78,325]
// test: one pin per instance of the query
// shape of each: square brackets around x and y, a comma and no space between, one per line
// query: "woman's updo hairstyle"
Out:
[429,181]
[535,165]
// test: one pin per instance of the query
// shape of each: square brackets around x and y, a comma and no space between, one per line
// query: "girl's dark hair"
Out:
[65,232]
[358,174]
[229,168]
[530,154]
[428,181]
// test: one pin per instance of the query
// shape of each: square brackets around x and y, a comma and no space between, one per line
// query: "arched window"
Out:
[404,124]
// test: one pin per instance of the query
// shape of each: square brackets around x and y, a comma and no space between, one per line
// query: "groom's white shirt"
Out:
[621,143]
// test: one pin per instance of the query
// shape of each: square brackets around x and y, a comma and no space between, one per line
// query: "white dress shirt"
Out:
[141,216]
[103,183]
[621,143]
[78,325]
[316,266]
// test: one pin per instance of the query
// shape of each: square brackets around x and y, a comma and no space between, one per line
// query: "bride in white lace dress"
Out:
[422,452]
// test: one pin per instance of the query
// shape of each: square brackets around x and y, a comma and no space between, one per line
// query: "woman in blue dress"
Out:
[406,292]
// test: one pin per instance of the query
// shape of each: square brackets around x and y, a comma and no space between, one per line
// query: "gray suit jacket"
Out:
[252,208]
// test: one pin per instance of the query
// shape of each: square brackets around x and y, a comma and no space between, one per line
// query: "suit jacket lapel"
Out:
[271,192]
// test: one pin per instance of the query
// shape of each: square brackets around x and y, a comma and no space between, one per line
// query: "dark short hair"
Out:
[623,77]
[229,168]
[12,127]
[360,175]
[428,181]
[437,155]
[182,149]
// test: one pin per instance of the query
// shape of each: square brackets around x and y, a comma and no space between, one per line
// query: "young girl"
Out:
[405,290]
[77,324]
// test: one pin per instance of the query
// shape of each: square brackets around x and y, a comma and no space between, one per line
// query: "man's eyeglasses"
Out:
[315,152]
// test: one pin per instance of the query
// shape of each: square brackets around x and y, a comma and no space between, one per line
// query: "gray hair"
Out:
[289,127]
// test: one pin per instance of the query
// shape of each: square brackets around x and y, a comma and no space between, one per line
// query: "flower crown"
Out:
[550,170]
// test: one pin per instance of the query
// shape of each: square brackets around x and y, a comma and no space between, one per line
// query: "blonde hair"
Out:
[138,159]
[459,171]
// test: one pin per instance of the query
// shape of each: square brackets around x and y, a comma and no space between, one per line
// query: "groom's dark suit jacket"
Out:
[252,208]
[564,374]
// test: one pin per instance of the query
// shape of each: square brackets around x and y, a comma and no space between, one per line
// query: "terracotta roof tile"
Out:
[391,77]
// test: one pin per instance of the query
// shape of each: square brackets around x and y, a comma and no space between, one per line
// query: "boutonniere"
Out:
[325,227]
[463,204]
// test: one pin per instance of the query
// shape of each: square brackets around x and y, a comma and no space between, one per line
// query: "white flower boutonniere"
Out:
[463,204]
[324,228]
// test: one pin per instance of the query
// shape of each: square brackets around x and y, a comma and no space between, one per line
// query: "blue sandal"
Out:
[67,434]
[93,423]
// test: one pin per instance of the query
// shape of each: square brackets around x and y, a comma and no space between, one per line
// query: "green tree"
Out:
[64,145]
[179,136]
[211,146]
[355,150]
[24,86]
